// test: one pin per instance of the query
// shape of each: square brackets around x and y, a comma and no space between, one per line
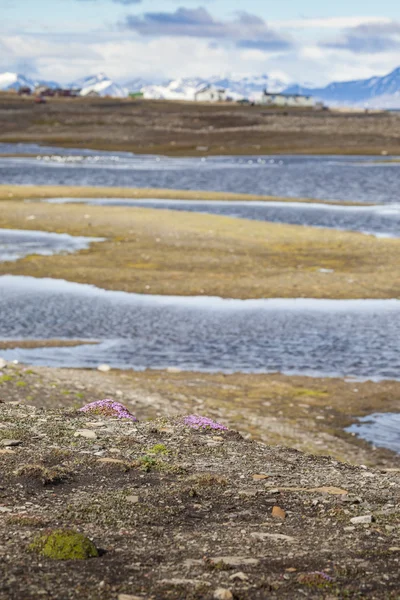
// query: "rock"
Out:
[63,544]
[132,499]
[260,477]
[176,581]
[129,597]
[394,549]
[104,368]
[330,490]
[3,363]
[9,443]
[174,370]
[223,594]
[240,576]
[6,451]
[111,461]
[278,513]
[86,433]
[362,519]
[234,561]
[5,509]
[272,536]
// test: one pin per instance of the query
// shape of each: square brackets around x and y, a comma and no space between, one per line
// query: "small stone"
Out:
[3,363]
[278,513]
[104,368]
[86,433]
[132,499]
[5,509]
[260,477]
[174,370]
[6,451]
[9,443]
[239,576]
[234,561]
[129,597]
[394,549]
[223,594]
[272,536]
[362,520]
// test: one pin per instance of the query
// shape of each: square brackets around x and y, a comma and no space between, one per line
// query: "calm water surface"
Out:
[380,429]
[316,337]
[361,179]
[380,220]
[15,243]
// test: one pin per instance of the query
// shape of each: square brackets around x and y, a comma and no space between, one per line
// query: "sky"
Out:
[296,41]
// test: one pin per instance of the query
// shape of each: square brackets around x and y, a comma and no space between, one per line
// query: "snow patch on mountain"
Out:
[101,85]
[15,81]
[375,92]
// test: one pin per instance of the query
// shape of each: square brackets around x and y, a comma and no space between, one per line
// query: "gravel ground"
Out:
[183,513]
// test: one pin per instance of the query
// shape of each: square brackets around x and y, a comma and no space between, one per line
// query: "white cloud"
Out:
[328,22]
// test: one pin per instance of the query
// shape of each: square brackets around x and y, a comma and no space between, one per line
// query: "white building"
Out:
[288,100]
[210,93]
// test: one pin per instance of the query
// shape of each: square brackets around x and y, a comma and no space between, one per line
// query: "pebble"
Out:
[86,433]
[235,561]
[104,368]
[132,499]
[278,513]
[239,575]
[8,443]
[4,509]
[129,597]
[223,594]
[362,519]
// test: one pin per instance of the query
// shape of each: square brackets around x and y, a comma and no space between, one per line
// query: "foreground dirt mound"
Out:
[186,513]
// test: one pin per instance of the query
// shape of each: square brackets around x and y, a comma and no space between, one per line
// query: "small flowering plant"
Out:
[108,408]
[197,422]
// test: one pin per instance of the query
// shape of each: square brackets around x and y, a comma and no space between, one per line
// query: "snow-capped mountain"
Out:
[375,92]
[237,87]
[101,84]
[15,81]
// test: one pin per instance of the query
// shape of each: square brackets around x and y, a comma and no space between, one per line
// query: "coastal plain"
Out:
[194,129]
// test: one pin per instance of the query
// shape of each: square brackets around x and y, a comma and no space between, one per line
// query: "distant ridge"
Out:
[375,92]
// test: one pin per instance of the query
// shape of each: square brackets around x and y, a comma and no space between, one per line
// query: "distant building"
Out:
[210,93]
[25,90]
[289,100]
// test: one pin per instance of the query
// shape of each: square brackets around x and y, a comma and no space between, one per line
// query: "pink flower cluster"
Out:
[197,422]
[108,408]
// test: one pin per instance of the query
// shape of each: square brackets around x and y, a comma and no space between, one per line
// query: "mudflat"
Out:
[193,254]
[191,129]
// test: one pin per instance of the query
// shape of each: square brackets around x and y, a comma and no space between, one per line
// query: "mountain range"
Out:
[375,92]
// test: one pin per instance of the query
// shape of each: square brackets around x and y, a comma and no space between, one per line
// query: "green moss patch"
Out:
[64,545]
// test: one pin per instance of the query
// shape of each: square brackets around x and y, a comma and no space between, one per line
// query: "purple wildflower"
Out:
[108,408]
[323,575]
[197,422]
